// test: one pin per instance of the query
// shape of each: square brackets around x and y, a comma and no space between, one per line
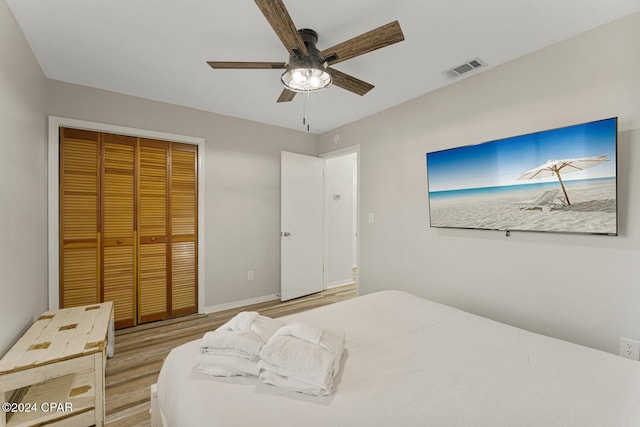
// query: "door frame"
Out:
[328,155]
[53,180]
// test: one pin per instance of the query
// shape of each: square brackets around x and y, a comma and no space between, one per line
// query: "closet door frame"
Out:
[53,176]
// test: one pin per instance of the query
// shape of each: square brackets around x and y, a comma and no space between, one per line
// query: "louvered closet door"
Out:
[128,225]
[118,226]
[79,214]
[183,214]
[153,230]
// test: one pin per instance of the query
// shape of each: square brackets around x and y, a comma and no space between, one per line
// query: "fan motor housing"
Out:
[310,38]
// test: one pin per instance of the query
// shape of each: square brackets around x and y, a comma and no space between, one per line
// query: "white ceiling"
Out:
[158,49]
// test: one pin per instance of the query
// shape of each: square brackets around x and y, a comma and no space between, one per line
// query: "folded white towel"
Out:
[234,348]
[251,320]
[299,359]
[246,332]
[227,352]
[240,321]
[265,327]
[303,331]
[243,341]
[226,366]
[293,384]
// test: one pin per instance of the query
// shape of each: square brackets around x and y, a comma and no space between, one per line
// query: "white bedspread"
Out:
[412,362]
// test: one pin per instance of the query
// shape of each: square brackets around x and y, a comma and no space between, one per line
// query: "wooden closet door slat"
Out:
[184,221]
[79,218]
[184,280]
[119,283]
[152,297]
[152,230]
[79,284]
[118,225]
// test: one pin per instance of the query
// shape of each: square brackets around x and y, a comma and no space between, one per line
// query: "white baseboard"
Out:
[340,283]
[236,304]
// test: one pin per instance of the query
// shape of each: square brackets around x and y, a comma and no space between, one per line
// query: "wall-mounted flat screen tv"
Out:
[559,180]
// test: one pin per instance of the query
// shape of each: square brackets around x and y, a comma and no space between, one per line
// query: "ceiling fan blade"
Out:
[375,39]
[350,83]
[246,65]
[286,95]
[279,19]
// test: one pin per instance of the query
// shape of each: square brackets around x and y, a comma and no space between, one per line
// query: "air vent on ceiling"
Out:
[467,67]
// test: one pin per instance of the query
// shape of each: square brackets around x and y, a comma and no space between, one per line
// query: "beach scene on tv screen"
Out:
[559,180]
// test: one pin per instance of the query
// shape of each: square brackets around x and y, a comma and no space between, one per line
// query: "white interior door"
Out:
[301,209]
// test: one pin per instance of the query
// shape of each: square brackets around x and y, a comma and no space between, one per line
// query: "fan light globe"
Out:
[305,76]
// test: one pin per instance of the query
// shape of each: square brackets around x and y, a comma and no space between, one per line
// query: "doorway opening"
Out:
[341,217]
[319,222]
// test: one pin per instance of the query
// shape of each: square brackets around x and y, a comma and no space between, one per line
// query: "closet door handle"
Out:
[119,241]
[153,239]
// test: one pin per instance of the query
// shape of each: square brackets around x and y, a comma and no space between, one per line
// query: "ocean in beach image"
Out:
[592,209]
[558,180]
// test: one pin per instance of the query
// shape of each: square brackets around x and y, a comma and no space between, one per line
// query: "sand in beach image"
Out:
[592,210]
[503,185]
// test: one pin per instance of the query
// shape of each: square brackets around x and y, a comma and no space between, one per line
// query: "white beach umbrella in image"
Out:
[556,167]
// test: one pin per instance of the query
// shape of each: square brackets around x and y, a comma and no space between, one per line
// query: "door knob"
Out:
[287,234]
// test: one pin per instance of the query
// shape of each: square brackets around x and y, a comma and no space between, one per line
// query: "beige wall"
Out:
[242,182]
[23,291]
[581,288]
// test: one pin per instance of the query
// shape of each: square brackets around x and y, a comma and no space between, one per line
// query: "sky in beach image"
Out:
[501,162]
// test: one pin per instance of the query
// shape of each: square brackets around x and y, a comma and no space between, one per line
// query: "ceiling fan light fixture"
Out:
[305,76]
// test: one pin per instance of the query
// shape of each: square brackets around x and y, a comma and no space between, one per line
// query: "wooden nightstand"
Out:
[55,373]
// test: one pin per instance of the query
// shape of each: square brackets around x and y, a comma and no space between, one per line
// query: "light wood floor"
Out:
[140,350]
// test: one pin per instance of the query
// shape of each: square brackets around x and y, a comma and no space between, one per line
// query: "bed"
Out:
[409,361]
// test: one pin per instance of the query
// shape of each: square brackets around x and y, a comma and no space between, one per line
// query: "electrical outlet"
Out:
[629,348]
[250,275]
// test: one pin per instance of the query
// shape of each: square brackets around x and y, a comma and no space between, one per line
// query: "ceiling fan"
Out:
[308,69]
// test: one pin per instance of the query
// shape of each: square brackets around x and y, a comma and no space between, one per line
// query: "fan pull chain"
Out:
[304,113]
[307,103]
[305,109]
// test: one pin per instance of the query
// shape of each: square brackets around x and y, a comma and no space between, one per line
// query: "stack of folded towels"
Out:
[295,356]
[302,358]
[234,348]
